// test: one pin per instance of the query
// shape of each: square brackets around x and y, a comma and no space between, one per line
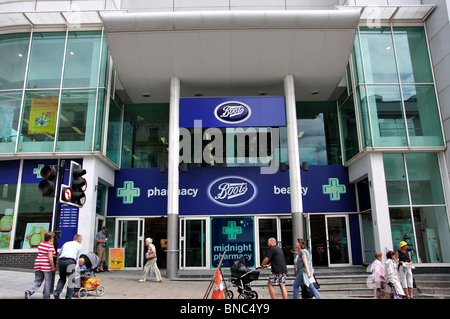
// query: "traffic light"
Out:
[48,185]
[73,194]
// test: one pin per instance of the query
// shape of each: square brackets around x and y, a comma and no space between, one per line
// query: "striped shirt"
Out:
[42,263]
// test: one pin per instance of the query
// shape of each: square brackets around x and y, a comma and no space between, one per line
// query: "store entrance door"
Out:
[329,240]
[130,237]
[337,239]
[156,229]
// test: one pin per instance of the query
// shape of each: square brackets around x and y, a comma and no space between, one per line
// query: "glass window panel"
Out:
[14,53]
[412,55]
[38,128]
[46,58]
[424,124]
[378,55]
[318,133]
[424,178]
[364,115]
[267,229]
[114,132]
[9,120]
[100,208]
[368,236]
[145,133]
[386,114]
[349,129]
[396,184]
[99,120]
[7,200]
[195,243]
[311,140]
[82,59]
[402,229]
[433,234]
[357,62]
[76,120]
[286,240]
[34,214]
[104,64]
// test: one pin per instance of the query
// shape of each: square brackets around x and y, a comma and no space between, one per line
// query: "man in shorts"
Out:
[275,257]
[101,241]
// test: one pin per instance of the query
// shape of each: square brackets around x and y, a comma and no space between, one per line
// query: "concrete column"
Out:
[379,202]
[95,170]
[372,166]
[294,159]
[173,179]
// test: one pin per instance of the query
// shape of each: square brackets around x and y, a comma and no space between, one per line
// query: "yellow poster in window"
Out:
[43,114]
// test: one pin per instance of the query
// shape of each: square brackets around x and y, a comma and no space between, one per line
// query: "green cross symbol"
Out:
[232,230]
[128,192]
[334,189]
[37,170]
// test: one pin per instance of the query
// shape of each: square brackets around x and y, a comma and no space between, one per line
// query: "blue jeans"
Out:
[297,284]
[66,269]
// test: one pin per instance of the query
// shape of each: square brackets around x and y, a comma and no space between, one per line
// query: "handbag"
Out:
[306,292]
[150,255]
[315,283]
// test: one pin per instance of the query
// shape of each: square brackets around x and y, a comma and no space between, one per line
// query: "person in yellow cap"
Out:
[405,266]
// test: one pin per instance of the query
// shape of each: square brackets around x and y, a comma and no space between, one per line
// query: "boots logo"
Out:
[232,191]
[232,112]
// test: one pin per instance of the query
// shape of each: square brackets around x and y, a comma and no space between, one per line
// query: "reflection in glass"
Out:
[46,58]
[145,135]
[424,178]
[386,114]
[349,129]
[82,59]
[9,120]
[412,55]
[396,183]
[433,234]
[14,53]
[378,55]
[424,124]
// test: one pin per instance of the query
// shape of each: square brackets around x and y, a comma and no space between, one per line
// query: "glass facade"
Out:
[57,104]
[391,104]
[395,95]
[416,205]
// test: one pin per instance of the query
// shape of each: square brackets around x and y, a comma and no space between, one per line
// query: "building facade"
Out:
[213,127]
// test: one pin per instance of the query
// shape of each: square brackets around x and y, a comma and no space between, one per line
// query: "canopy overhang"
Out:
[231,53]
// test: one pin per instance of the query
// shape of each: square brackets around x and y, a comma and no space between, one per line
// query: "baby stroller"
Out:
[85,281]
[241,277]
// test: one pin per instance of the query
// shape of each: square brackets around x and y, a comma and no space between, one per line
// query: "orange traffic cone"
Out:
[218,286]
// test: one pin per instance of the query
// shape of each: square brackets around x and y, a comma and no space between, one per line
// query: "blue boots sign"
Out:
[230,191]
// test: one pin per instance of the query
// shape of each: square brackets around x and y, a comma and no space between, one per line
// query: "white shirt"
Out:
[71,249]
